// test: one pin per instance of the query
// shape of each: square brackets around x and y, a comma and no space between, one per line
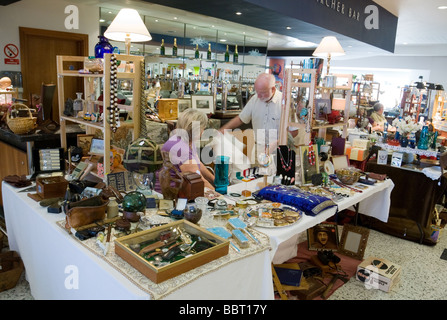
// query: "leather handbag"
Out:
[81,213]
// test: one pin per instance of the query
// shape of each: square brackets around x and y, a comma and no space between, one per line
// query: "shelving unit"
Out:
[65,69]
[290,116]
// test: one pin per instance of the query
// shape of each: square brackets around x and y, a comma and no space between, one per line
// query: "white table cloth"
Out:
[373,201]
[58,266]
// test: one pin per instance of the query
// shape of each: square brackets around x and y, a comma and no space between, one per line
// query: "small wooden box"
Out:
[51,187]
[160,274]
[192,187]
[168,109]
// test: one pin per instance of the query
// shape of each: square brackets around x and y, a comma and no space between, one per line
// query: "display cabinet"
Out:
[311,107]
[95,86]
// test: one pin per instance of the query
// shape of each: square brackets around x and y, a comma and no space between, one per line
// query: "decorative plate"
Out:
[329,167]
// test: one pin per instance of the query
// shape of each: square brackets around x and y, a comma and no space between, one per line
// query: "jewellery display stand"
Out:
[285,164]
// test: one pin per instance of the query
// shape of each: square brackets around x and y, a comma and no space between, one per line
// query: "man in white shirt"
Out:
[264,112]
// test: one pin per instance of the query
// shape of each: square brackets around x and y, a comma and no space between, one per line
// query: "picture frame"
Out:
[84,141]
[396,159]
[353,241]
[97,147]
[204,103]
[340,162]
[184,104]
[322,108]
[308,169]
[323,236]
[382,157]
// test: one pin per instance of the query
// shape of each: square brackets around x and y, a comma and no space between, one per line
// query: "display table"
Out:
[373,201]
[59,266]
[412,202]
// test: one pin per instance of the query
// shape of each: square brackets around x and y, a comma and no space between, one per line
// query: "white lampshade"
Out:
[128,25]
[329,46]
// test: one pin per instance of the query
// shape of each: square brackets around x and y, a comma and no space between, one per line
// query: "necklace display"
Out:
[114,111]
[286,164]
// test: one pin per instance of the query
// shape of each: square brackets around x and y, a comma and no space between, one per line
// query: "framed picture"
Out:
[353,241]
[382,157]
[396,159]
[309,164]
[322,108]
[84,141]
[323,236]
[204,103]
[340,162]
[184,104]
[97,147]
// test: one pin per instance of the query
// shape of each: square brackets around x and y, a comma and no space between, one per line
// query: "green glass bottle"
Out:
[197,53]
[174,48]
[208,54]
[162,47]
[227,55]
[236,55]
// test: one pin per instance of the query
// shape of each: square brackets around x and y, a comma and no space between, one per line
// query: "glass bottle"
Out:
[236,55]
[174,48]
[103,46]
[112,208]
[78,104]
[227,55]
[423,139]
[162,47]
[197,53]
[208,54]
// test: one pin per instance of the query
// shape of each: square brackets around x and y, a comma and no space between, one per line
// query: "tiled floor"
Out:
[424,273]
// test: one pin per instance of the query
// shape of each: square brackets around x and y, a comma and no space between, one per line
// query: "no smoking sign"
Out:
[11,52]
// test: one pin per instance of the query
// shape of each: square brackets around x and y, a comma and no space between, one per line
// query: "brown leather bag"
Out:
[85,212]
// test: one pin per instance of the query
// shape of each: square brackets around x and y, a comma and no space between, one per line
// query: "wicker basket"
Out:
[20,125]
[348,176]
[11,270]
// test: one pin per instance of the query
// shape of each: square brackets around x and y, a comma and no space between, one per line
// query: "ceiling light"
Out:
[222,40]
[102,20]
[175,18]
[238,13]
[442,7]
[288,28]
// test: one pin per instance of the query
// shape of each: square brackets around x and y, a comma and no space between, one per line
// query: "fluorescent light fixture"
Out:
[442,7]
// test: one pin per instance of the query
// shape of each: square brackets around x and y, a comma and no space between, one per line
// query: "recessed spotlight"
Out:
[102,20]
[405,43]
[288,28]
[238,13]
[156,20]
[442,7]
[175,18]
[223,40]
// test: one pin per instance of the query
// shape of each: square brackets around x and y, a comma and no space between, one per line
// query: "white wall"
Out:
[44,14]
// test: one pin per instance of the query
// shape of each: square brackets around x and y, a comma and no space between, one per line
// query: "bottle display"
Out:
[236,55]
[208,54]
[197,53]
[174,48]
[227,55]
[162,47]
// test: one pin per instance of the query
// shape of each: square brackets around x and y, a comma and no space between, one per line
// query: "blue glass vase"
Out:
[221,170]
[403,140]
[103,46]
[412,140]
[423,139]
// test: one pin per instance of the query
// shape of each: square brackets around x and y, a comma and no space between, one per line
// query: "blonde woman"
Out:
[181,147]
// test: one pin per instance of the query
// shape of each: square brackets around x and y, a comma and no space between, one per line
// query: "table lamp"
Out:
[328,47]
[128,26]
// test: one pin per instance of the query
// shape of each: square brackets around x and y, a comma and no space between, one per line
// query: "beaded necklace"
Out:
[113,109]
[286,165]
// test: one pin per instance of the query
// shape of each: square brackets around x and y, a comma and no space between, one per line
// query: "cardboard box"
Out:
[361,143]
[378,273]
[160,274]
[356,153]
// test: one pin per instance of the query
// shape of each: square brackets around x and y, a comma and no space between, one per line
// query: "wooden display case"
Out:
[160,274]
